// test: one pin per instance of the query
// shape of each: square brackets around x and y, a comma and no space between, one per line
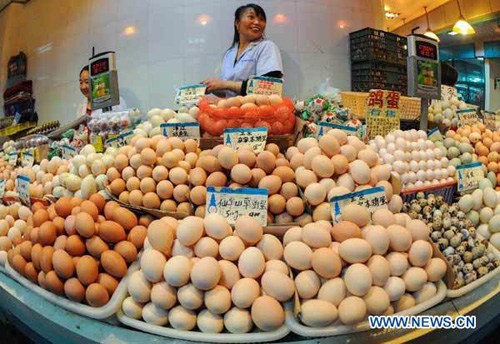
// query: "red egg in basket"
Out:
[277,128]
[263,124]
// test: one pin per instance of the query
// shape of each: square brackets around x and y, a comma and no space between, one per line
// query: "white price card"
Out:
[492,120]
[183,131]
[448,92]
[434,134]
[68,152]
[325,127]
[23,190]
[113,142]
[2,188]
[239,137]
[233,203]
[13,158]
[28,159]
[190,94]
[265,85]
[125,138]
[467,117]
[469,176]
[372,199]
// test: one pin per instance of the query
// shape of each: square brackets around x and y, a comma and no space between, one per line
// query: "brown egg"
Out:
[169,205]
[108,209]
[63,264]
[257,175]
[135,198]
[208,163]
[148,157]
[198,195]
[145,220]
[98,200]
[124,217]
[216,179]
[90,208]
[124,197]
[40,216]
[147,185]
[165,189]
[227,157]
[197,176]
[111,232]
[113,263]
[137,235]
[75,202]
[108,282]
[127,250]
[47,233]
[151,200]
[26,248]
[59,223]
[112,174]
[30,272]
[18,263]
[345,230]
[285,173]
[277,204]
[272,183]
[87,270]
[74,290]
[36,253]
[46,258]
[96,295]
[96,246]
[54,283]
[117,186]
[121,161]
[75,211]
[63,207]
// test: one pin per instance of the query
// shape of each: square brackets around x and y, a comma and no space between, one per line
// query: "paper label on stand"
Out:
[190,94]
[3,182]
[233,203]
[435,134]
[469,176]
[183,131]
[265,85]
[28,159]
[23,190]
[13,159]
[68,152]
[467,117]
[126,138]
[113,142]
[492,120]
[372,199]
[383,112]
[448,92]
[239,137]
[324,127]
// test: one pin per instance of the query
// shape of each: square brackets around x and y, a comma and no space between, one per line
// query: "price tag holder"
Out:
[69,152]
[434,134]
[265,85]
[183,131]
[324,127]
[233,203]
[126,138]
[13,158]
[23,189]
[28,159]
[3,182]
[113,142]
[190,94]
[491,120]
[372,199]
[467,117]
[253,137]
[469,176]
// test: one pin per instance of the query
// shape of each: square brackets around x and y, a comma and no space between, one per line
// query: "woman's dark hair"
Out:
[86,67]
[259,11]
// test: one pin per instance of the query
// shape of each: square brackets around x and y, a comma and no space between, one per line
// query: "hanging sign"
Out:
[467,117]
[233,203]
[23,190]
[13,158]
[265,85]
[469,176]
[190,94]
[183,131]
[253,137]
[372,199]
[383,112]
[68,152]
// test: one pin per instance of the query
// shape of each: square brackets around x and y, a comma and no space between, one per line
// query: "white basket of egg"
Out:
[359,267]
[206,283]
[416,159]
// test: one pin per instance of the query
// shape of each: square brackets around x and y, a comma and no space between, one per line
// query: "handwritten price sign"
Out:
[190,94]
[253,137]
[372,199]
[467,117]
[23,189]
[233,203]
[383,112]
[265,85]
[69,152]
[183,131]
[469,176]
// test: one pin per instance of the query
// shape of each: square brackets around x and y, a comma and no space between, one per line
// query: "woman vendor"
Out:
[251,54]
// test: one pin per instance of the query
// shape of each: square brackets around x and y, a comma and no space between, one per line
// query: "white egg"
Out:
[429,144]
[373,146]
[388,158]
[430,153]
[451,171]
[419,184]
[391,148]
[422,165]
[437,163]
[437,153]
[414,146]
[421,144]
[413,166]
[450,180]
[407,135]
[421,175]
[423,155]
[415,155]
[407,156]
[400,142]
[422,134]
[399,155]
[389,138]
[437,173]
[398,133]
[399,167]
[427,183]
[429,175]
[444,162]
[430,164]
[435,182]
[410,186]
[382,152]
[405,178]
[413,176]
[388,166]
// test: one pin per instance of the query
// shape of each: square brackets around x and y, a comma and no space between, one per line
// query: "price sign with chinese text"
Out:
[23,190]
[125,138]
[183,131]
[435,134]
[13,158]
[2,188]
[233,203]
[383,112]
[469,176]
[68,152]
[372,199]
[448,92]
[253,137]
[324,127]
[265,85]
[28,159]
[113,142]
[492,120]
[467,117]
[190,94]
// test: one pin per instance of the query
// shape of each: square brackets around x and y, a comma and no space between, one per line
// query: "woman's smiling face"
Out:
[251,25]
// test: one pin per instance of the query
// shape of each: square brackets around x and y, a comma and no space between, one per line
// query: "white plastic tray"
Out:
[254,337]
[307,331]
[92,312]
[453,293]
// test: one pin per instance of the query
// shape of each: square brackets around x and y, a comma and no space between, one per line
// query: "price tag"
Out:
[265,85]
[28,159]
[113,142]
[13,158]
[492,120]
[372,199]
[469,176]
[2,187]
[448,92]
[233,203]
[253,137]
[467,117]
[383,112]
[324,127]
[434,134]
[190,94]
[23,189]
[183,131]
[69,152]
[125,138]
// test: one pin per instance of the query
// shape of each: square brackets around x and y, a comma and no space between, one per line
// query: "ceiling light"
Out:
[429,32]
[392,15]
[462,26]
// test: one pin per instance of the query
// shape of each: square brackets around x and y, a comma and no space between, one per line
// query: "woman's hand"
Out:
[214,84]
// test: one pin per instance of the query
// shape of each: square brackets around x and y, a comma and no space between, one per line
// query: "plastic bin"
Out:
[447,191]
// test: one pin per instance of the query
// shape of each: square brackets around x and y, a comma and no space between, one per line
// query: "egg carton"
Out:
[253,337]
[336,330]
[103,312]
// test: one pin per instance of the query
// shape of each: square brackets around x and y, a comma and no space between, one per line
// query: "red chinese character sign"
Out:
[382,112]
